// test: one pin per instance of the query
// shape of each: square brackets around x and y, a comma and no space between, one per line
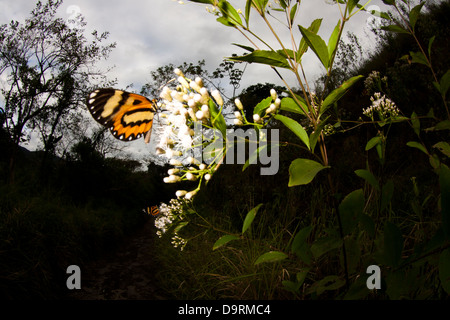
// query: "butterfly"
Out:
[154,211]
[129,116]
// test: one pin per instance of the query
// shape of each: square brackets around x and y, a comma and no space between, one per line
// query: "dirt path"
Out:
[126,274]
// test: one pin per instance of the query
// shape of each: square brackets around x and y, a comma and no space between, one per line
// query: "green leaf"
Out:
[367,224]
[203,1]
[443,147]
[271,58]
[295,127]
[301,247]
[444,270]
[292,13]
[369,177]
[288,104]
[350,209]
[430,43]
[314,28]
[262,106]
[324,245]
[229,13]
[415,123]
[271,256]
[249,218]
[248,7]
[333,41]
[217,119]
[338,93]
[260,5]
[329,283]
[351,5]
[444,182]
[445,84]
[389,2]
[249,49]
[394,28]
[387,192]
[373,142]
[417,145]
[224,240]
[303,171]
[419,57]
[315,135]
[393,244]
[316,43]
[414,14]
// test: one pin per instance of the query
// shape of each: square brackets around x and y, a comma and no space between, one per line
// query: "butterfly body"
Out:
[129,116]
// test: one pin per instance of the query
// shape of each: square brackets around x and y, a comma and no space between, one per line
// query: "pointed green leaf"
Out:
[288,104]
[324,245]
[443,147]
[350,209]
[314,28]
[249,49]
[414,14]
[271,256]
[419,57]
[430,43]
[271,58]
[394,28]
[333,41]
[373,142]
[418,145]
[338,93]
[329,283]
[316,43]
[369,177]
[415,123]
[229,13]
[301,247]
[217,119]
[315,135]
[295,127]
[444,84]
[262,106]
[303,171]
[292,13]
[248,7]
[249,218]
[351,5]
[224,240]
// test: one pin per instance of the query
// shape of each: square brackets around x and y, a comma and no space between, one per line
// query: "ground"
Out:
[125,274]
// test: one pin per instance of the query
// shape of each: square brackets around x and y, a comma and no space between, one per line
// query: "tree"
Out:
[49,67]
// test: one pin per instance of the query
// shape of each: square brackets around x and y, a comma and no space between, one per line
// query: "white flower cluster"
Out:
[271,109]
[189,103]
[169,214]
[374,81]
[383,106]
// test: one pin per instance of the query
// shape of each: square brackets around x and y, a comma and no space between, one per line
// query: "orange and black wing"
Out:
[154,211]
[128,116]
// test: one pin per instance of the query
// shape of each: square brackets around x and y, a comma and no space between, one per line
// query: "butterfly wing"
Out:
[129,116]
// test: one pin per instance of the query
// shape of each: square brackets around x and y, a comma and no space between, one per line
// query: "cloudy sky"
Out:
[154,33]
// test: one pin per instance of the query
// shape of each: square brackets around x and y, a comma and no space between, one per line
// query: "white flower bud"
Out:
[183,82]
[202,166]
[256,117]
[218,97]
[199,81]
[199,114]
[238,104]
[191,177]
[207,177]
[238,115]
[190,194]
[175,163]
[238,122]
[178,72]
[273,94]
[180,193]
